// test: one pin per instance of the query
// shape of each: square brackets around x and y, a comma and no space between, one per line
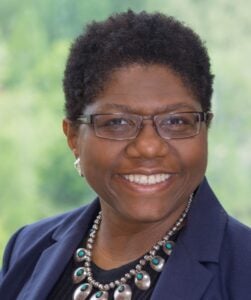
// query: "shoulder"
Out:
[235,259]
[33,238]
[47,225]
[238,239]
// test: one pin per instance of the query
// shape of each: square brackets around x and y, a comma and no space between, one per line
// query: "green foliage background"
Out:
[36,174]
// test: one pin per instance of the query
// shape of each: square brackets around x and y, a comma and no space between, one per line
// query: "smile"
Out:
[145,179]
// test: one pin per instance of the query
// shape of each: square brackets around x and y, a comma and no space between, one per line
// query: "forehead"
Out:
[144,89]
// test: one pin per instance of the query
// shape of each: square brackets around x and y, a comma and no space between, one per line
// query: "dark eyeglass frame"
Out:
[202,116]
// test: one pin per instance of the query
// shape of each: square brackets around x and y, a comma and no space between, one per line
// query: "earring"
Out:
[77,166]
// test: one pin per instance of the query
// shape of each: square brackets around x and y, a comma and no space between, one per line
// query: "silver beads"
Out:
[111,285]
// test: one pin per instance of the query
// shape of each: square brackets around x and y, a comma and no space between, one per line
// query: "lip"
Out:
[148,172]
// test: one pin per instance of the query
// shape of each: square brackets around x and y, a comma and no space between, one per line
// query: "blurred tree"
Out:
[36,175]
[59,180]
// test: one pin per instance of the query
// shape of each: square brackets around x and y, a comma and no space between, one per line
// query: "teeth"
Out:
[146,180]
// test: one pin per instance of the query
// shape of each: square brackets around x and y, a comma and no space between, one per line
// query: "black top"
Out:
[64,288]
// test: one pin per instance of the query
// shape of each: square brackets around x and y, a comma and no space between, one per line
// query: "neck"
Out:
[119,242]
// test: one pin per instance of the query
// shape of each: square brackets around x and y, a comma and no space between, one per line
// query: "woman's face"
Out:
[106,164]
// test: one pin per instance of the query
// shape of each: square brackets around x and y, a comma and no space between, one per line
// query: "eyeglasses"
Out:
[119,126]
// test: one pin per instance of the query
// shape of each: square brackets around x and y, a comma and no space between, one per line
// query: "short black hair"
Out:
[128,38]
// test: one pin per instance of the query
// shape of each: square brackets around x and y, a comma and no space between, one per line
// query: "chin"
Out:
[146,215]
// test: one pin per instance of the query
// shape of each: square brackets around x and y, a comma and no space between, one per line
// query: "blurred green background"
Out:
[37,178]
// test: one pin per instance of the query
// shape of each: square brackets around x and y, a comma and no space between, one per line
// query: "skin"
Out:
[136,216]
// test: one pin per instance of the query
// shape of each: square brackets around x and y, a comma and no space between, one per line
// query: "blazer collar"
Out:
[206,222]
[182,278]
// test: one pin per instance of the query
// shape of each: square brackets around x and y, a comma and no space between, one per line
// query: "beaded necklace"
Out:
[122,289]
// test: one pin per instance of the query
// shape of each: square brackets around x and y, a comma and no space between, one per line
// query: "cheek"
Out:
[98,158]
[193,155]
[197,159]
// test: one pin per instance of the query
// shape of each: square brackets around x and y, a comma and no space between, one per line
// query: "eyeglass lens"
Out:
[126,126]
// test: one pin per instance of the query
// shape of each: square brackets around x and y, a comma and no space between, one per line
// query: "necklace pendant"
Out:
[101,295]
[81,254]
[79,275]
[142,280]
[82,292]
[157,263]
[168,247]
[123,292]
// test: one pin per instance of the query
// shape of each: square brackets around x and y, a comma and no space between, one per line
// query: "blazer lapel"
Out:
[48,269]
[54,259]
[183,277]
[186,275]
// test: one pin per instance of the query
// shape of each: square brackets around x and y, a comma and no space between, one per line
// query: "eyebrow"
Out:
[166,108]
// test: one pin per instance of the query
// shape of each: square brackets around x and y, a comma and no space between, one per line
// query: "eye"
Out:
[180,120]
[114,123]
[177,122]
[117,122]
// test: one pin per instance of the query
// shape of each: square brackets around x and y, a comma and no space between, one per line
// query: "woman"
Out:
[138,93]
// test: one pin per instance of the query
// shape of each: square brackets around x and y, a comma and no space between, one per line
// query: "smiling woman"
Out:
[138,93]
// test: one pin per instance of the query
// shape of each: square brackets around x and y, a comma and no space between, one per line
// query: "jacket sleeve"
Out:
[8,254]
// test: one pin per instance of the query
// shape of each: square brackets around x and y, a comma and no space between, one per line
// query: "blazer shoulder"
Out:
[238,233]
[37,235]
[51,223]
[235,260]
[236,246]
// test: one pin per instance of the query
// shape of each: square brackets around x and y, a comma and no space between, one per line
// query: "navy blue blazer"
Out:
[211,260]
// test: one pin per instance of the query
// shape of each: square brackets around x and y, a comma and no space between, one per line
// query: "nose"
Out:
[148,144]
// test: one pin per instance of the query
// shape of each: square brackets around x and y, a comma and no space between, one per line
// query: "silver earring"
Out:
[77,166]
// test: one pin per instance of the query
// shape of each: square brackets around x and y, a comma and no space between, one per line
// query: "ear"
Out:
[71,132]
